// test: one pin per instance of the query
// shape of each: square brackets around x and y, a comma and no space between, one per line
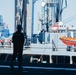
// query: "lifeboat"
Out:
[69,41]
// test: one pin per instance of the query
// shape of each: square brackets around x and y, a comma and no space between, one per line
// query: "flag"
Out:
[55,27]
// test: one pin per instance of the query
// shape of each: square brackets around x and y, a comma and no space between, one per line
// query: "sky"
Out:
[69,14]
[7,11]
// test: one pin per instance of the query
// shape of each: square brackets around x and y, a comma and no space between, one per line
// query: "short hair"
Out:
[19,27]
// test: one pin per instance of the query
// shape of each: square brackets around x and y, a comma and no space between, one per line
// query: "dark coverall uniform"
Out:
[18,41]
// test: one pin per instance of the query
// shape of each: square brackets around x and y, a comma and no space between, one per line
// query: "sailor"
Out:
[18,41]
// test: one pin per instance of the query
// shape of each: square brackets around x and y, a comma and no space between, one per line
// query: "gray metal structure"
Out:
[48,14]
[20,14]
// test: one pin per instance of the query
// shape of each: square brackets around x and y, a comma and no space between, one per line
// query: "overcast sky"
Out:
[7,11]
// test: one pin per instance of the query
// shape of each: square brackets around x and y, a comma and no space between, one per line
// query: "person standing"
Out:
[18,42]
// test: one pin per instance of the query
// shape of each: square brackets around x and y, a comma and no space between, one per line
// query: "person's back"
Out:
[18,38]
